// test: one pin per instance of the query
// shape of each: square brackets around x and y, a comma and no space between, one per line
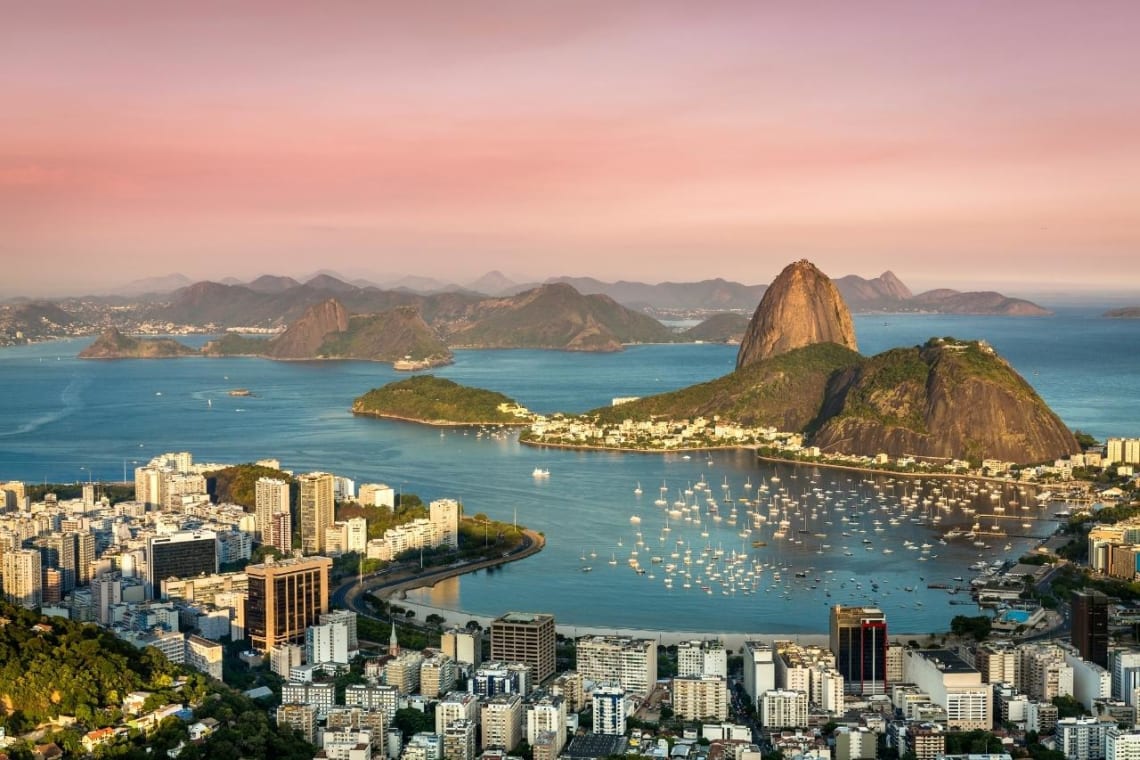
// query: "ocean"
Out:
[62,419]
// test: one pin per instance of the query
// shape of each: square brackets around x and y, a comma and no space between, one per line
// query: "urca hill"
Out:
[797,370]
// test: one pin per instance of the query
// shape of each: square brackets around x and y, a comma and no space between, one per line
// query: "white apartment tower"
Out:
[609,710]
[270,498]
[315,505]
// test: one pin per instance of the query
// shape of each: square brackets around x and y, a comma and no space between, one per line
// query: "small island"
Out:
[112,344]
[432,400]
[1128,312]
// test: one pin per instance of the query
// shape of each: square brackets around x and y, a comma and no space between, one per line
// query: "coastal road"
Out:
[403,576]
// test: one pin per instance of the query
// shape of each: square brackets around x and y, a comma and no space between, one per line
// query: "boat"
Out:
[637,490]
[540,473]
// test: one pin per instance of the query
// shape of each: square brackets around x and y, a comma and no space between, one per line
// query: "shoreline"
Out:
[436,423]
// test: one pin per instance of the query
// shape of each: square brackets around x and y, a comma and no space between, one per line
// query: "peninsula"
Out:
[112,344]
[431,400]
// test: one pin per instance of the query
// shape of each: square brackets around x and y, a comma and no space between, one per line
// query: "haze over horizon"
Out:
[964,145]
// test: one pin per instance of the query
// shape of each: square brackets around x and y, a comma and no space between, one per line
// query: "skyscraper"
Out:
[525,637]
[315,505]
[271,497]
[859,643]
[285,598]
[1090,626]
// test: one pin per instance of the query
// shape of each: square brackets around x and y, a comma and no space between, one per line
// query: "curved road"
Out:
[349,594]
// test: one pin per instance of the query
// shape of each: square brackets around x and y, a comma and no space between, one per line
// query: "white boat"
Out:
[637,491]
[540,473]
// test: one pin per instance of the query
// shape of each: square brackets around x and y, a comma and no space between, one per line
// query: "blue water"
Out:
[62,419]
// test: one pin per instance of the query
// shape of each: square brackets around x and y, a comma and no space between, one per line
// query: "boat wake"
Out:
[71,401]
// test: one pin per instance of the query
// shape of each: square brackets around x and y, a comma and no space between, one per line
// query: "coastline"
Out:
[436,423]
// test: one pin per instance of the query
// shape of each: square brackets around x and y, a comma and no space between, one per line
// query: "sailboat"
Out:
[637,491]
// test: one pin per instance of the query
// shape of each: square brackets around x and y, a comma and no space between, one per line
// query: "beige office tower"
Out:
[525,637]
[285,598]
[271,498]
[315,505]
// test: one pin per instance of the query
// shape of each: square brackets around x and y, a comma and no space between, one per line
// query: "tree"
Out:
[411,721]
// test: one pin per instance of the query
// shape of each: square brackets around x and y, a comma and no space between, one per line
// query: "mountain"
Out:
[302,339]
[389,336]
[34,320]
[1128,312]
[719,328]
[556,316]
[786,392]
[946,301]
[946,399]
[718,293]
[493,283]
[268,283]
[165,284]
[112,344]
[883,293]
[436,401]
[801,307]
[330,284]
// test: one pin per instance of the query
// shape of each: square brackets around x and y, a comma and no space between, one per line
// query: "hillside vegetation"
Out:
[426,398]
[238,484]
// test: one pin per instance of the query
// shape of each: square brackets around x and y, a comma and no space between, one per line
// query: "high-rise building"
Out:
[285,598]
[859,642]
[502,717]
[180,555]
[1082,738]
[700,697]
[632,663]
[346,618]
[463,646]
[954,686]
[437,676]
[546,716]
[525,637]
[1122,744]
[22,576]
[759,669]
[282,536]
[459,740]
[609,710]
[456,705]
[702,658]
[315,505]
[1090,625]
[326,643]
[444,517]
[783,709]
[270,498]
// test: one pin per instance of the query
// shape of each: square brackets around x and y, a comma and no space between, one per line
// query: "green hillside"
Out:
[426,398]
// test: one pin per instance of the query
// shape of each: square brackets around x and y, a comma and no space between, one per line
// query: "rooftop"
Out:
[946,661]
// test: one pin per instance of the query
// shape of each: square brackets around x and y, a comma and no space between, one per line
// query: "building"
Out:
[285,598]
[568,685]
[525,637]
[326,643]
[271,497]
[438,675]
[463,646]
[423,746]
[759,669]
[315,506]
[502,717]
[377,495]
[702,658]
[205,655]
[546,715]
[320,695]
[184,554]
[459,740]
[780,708]
[443,514]
[1044,673]
[855,743]
[926,742]
[301,718]
[403,672]
[859,642]
[384,698]
[1122,744]
[493,678]
[1090,625]
[952,685]
[700,698]
[998,664]
[347,619]
[456,706]
[1082,738]
[22,577]
[632,663]
[282,537]
[610,710]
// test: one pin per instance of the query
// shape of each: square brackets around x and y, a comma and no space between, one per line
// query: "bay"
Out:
[62,419]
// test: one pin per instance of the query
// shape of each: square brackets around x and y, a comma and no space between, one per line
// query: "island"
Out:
[112,344]
[432,400]
[1127,312]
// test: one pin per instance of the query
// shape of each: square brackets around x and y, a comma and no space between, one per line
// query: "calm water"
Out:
[61,419]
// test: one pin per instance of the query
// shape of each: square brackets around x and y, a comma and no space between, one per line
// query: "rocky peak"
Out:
[892,287]
[303,337]
[801,307]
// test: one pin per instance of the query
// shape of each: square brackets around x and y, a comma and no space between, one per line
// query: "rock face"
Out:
[302,338]
[801,307]
[946,399]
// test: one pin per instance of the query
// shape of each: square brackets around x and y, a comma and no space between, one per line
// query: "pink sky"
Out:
[965,143]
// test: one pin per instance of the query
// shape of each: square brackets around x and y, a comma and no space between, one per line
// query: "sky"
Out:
[965,144]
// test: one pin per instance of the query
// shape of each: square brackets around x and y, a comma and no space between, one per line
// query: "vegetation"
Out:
[387,336]
[973,742]
[977,626]
[234,344]
[238,484]
[381,519]
[721,328]
[112,344]
[427,398]
[887,389]
[1068,707]
[786,391]
[64,491]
